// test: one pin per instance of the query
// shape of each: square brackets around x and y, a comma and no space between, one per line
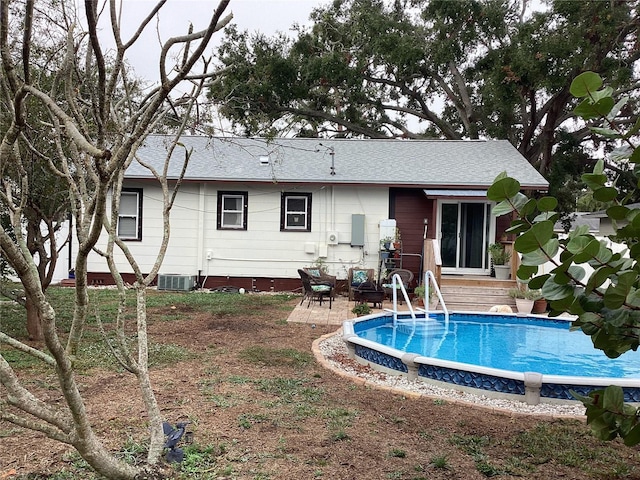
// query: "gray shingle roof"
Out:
[581,218]
[420,163]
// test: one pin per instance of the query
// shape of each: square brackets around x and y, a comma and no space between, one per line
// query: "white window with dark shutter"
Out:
[232,210]
[130,215]
[296,212]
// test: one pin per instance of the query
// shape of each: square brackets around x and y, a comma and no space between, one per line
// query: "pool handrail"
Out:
[428,275]
[397,284]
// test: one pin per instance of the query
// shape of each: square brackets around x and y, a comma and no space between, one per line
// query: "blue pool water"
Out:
[520,344]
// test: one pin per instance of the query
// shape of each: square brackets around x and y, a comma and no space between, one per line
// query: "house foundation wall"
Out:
[250,284]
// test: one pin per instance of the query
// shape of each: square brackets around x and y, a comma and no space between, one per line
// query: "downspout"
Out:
[201,230]
[333,209]
[70,260]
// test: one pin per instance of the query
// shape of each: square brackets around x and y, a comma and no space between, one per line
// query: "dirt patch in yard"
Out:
[254,394]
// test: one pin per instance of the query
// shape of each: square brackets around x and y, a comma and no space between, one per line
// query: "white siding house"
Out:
[256,209]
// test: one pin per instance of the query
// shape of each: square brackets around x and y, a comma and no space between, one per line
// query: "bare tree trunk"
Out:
[156,443]
[34,321]
[91,138]
[104,462]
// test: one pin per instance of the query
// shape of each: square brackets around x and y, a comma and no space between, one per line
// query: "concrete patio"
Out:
[339,312]
[321,314]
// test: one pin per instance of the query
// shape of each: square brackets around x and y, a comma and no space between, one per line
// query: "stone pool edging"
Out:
[482,403]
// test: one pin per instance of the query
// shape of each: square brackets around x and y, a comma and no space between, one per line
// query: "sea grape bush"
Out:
[606,301]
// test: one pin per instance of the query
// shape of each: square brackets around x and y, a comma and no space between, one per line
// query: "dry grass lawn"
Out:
[261,407]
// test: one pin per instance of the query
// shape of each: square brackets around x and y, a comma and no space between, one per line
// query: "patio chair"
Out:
[405,275]
[319,276]
[314,289]
[358,276]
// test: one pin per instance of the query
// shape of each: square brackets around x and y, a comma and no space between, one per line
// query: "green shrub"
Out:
[361,309]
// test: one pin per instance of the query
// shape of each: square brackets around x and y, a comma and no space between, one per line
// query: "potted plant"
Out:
[500,258]
[539,302]
[320,265]
[396,241]
[386,243]
[419,292]
[524,298]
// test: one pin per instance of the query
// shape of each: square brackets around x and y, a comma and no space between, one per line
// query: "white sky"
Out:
[266,16]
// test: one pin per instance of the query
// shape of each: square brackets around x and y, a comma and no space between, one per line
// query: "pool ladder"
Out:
[429,279]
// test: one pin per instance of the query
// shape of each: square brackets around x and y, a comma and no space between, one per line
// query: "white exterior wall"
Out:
[182,250]
[62,266]
[262,250]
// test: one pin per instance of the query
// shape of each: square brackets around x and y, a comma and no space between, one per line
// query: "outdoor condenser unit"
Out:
[183,283]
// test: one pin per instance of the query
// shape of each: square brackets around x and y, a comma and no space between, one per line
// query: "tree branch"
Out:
[49,430]
[26,40]
[425,112]
[12,342]
[71,131]
[24,400]
[205,35]
[90,7]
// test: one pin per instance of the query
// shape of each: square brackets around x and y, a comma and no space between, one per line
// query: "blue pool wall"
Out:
[530,387]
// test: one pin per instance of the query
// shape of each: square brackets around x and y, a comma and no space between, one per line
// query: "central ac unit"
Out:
[332,238]
[182,283]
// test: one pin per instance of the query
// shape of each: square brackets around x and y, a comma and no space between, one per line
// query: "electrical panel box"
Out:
[357,230]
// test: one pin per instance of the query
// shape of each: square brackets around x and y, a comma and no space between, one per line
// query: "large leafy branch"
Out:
[606,301]
[439,69]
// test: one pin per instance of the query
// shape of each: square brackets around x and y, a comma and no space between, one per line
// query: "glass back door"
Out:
[464,230]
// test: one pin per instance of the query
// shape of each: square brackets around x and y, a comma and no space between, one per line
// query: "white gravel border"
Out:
[329,346]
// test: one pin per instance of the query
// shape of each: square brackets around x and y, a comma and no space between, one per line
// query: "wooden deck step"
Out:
[477,294]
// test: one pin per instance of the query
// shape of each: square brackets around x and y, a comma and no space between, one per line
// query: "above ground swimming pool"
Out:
[535,357]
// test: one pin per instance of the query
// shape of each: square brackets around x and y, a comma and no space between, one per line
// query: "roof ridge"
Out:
[322,139]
